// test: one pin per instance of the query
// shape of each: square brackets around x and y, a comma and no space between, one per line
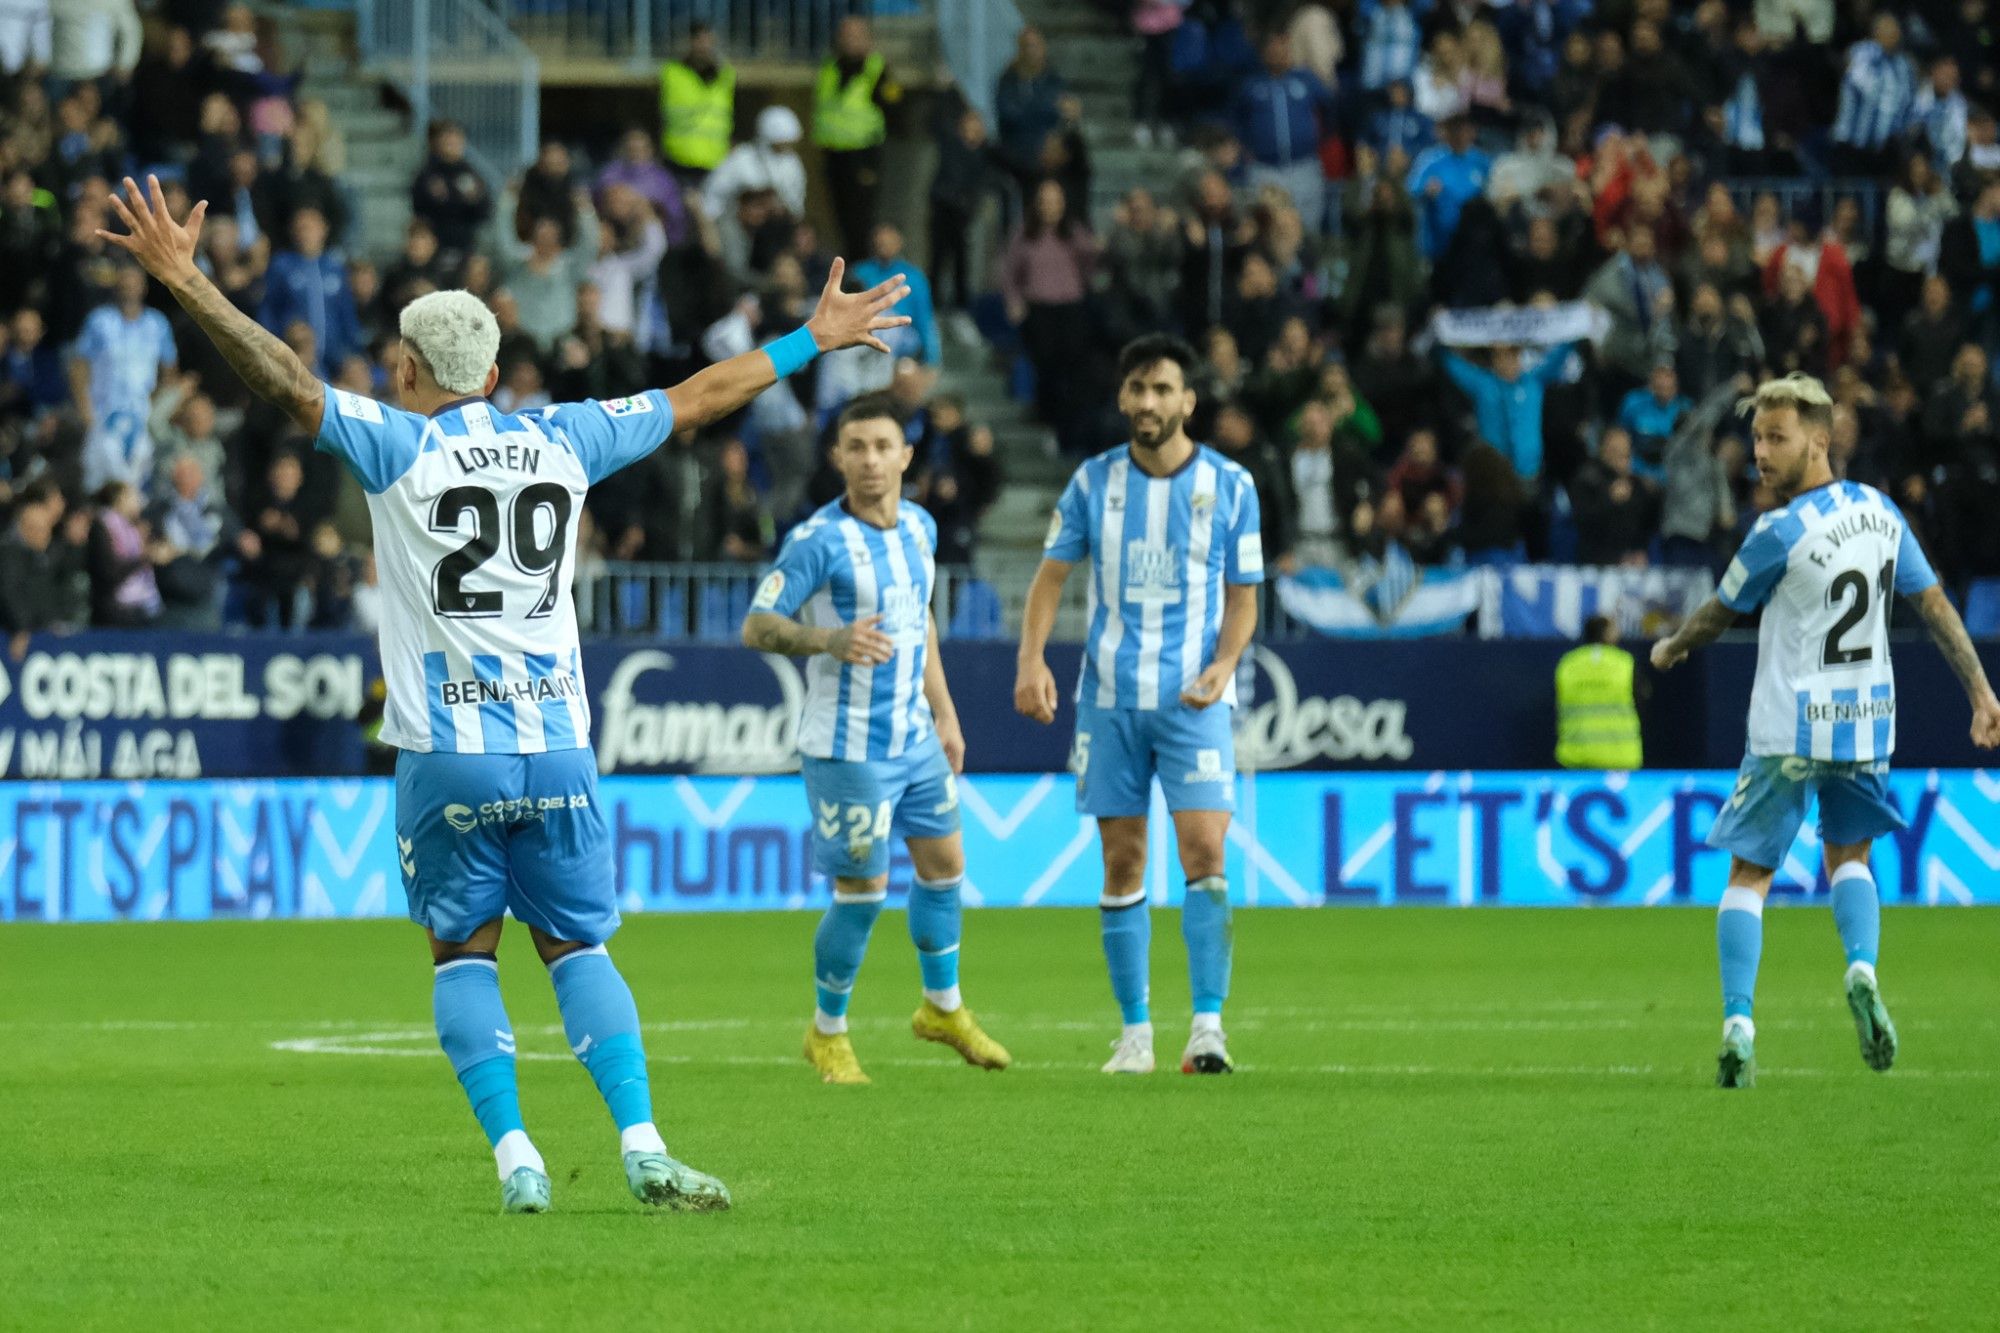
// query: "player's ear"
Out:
[492,381]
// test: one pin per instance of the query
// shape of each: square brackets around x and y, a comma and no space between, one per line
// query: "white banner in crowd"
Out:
[1394,599]
[1523,326]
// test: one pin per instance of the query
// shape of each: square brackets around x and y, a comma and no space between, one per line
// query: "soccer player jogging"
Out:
[475,514]
[1823,707]
[879,744]
[1171,532]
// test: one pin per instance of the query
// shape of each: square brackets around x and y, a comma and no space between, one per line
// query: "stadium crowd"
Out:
[1654,205]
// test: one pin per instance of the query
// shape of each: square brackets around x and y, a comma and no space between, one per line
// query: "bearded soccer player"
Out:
[1822,567]
[880,746]
[1170,529]
[475,514]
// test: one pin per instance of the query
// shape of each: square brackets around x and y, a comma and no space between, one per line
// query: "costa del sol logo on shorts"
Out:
[461,818]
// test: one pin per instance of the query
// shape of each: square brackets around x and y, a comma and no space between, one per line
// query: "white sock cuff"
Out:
[1736,898]
[597,949]
[1847,870]
[447,966]
[1122,899]
[938,885]
[514,1151]
[642,1137]
[872,896]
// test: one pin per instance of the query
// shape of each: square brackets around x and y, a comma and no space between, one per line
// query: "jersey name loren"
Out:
[471,458]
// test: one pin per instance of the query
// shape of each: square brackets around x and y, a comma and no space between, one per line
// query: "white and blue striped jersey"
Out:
[475,516]
[833,570]
[1876,94]
[1824,568]
[1160,551]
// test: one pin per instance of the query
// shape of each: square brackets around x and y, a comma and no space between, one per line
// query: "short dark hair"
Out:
[869,407]
[1151,349]
[1599,629]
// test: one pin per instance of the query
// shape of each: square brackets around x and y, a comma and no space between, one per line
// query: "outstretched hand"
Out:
[163,247]
[852,319]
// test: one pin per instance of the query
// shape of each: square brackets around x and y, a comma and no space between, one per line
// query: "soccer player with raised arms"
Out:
[1823,707]
[879,745]
[1170,529]
[475,513]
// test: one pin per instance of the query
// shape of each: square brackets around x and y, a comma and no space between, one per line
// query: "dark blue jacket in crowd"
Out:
[1408,129]
[1278,118]
[39,377]
[316,291]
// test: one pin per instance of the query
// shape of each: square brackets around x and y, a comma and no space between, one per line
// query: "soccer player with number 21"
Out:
[475,514]
[1823,567]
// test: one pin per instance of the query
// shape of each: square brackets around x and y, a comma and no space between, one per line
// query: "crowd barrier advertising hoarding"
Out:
[96,851]
[130,706]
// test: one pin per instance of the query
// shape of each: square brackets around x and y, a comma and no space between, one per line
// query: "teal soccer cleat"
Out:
[658,1179]
[526,1191]
[1871,1018]
[1736,1067]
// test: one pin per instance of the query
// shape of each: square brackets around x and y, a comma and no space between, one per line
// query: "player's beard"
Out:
[1162,429]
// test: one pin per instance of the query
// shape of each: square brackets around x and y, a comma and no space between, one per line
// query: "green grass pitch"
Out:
[1443,1120]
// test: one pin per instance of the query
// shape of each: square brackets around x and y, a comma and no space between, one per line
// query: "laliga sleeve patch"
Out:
[769,591]
[637,405]
[355,406]
[1055,530]
[1250,553]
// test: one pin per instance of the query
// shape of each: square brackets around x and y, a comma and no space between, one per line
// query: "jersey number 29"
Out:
[530,554]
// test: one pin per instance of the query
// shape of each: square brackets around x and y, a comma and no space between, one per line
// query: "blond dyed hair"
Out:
[1802,393]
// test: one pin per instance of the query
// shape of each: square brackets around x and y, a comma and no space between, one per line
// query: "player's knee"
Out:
[484,940]
[860,890]
[1841,854]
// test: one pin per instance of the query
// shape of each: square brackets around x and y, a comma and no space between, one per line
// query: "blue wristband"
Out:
[793,352]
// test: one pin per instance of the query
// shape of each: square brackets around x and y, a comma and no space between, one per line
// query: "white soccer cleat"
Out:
[1132,1053]
[1206,1054]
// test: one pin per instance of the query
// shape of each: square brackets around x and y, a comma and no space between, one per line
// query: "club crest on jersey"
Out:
[637,405]
[1201,502]
[768,592]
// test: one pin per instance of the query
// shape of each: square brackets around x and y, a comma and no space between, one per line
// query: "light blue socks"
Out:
[838,947]
[1205,927]
[472,1028]
[1857,911]
[1128,940]
[1739,941]
[602,1025]
[934,929]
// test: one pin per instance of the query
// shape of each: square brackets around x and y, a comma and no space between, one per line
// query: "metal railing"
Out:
[706,603]
[1795,192]
[457,60]
[646,31]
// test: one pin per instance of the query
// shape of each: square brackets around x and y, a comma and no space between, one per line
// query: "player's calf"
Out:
[474,1031]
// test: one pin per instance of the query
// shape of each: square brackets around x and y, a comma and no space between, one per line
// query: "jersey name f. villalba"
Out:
[1160,551]
[1824,568]
[475,514]
[833,570]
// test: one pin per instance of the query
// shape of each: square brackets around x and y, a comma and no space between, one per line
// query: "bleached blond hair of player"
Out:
[457,337]
[1799,391]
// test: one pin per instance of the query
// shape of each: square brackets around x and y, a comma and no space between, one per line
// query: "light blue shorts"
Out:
[858,803]
[1119,751]
[482,834]
[1773,792]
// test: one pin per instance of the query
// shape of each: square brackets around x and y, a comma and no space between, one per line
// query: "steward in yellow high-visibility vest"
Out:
[697,105]
[849,93]
[1597,718]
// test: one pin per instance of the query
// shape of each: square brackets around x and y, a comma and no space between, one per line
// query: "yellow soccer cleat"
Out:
[833,1056]
[960,1031]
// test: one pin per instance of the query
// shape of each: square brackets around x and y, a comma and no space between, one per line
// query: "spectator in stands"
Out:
[33,367]
[40,567]
[736,524]
[309,283]
[168,84]
[1276,116]
[771,163]
[1969,257]
[548,189]
[595,361]
[1218,237]
[1920,206]
[1636,292]
[697,107]
[1931,335]
[1617,511]
[1826,264]
[31,237]
[1236,437]
[1649,416]
[1155,21]
[1716,345]
[850,93]
[637,167]
[1982,154]
[1385,267]
[116,363]
[448,193]
[1443,179]
[283,560]
[1255,311]
[333,578]
[123,592]
[1401,386]
[631,242]
[311,175]
[1027,105]
[422,267]
[962,482]
[1397,126]
[24,39]
[1793,327]
[1420,474]
[544,279]
[1508,402]
[1961,412]
[198,533]
[1697,495]
[1876,95]
[1443,80]
[886,258]
[94,42]
[1938,114]
[1045,277]
[968,174]
[183,423]
[1390,44]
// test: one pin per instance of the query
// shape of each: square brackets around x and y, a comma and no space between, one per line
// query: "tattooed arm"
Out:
[166,250]
[860,643]
[1699,630]
[1948,633]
